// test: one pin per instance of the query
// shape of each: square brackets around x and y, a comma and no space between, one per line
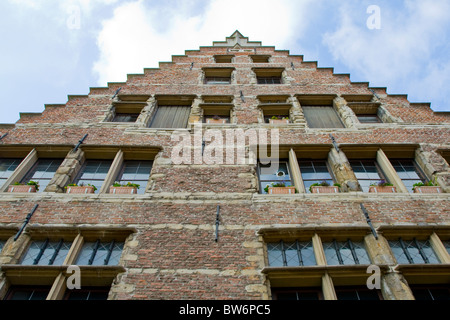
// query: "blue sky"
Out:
[51,49]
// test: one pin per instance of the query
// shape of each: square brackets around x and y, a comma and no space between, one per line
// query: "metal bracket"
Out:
[217,223]
[80,142]
[27,219]
[333,140]
[117,92]
[369,222]
[242,96]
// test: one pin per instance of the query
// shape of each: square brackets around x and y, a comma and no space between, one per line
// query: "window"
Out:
[357,293]
[345,253]
[269,75]
[2,244]
[291,254]
[274,173]
[436,292]
[218,75]
[7,167]
[322,117]
[447,245]
[27,293]
[408,171]
[125,117]
[269,80]
[87,293]
[135,171]
[94,172]
[46,253]
[297,294]
[42,172]
[367,118]
[260,58]
[315,171]
[217,80]
[367,172]
[173,116]
[98,253]
[413,251]
[223,58]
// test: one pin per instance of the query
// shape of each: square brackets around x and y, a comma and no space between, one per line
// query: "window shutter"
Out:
[171,117]
[322,117]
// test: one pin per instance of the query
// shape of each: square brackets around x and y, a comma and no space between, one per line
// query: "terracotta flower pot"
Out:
[80,189]
[325,189]
[428,189]
[22,188]
[281,190]
[278,121]
[122,190]
[386,189]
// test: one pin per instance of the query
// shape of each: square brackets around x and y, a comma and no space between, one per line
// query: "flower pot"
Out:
[325,189]
[122,190]
[220,121]
[80,189]
[386,189]
[22,188]
[281,190]
[428,189]
[278,121]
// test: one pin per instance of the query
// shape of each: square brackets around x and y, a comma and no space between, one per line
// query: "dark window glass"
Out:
[46,253]
[27,293]
[357,293]
[94,172]
[99,254]
[92,293]
[217,80]
[367,172]
[408,171]
[413,251]
[367,118]
[135,172]
[322,117]
[291,254]
[2,244]
[125,117]
[274,172]
[315,172]
[345,253]
[171,117]
[297,294]
[447,245]
[438,292]
[7,167]
[269,80]
[42,172]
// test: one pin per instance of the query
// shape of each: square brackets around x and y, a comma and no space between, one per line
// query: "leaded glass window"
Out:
[46,253]
[42,172]
[447,245]
[367,172]
[408,171]
[413,251]
[135,172]
[274,173]
[315,171]
[345,253]
[100,253]
[94,172]
[291,254]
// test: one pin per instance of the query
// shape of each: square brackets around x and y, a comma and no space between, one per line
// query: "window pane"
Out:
[99,293]
[358,293]
[100,253]
[136,172]
[45,252]
[296,294]
[2,244]
[418,251]
[171,117]
[126,117]
[322,117]
[7,167]
[345,250]
[28,293]
[94,172]
[438,292]
[43,171]
[408,172]
[274,254]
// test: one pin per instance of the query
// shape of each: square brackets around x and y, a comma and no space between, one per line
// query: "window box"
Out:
[123,190]
[325,189]
[281,190]
[22,188]
[279,121]
[428,189]
[80,189]
[385,189]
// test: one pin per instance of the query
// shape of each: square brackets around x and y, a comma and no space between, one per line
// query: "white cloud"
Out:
[137,37]
[402,51]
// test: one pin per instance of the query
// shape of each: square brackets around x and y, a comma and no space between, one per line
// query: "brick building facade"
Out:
[204,227]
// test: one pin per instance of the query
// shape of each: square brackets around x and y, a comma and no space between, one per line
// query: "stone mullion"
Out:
[343,171]
[67,171]
[389,171]
[21,170]
[113,172]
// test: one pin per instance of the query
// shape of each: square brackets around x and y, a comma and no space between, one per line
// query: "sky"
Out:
[50,49]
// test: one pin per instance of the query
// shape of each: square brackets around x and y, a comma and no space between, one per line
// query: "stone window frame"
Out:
[218,72]
[55,276]
[270,72]
[258,170]
[324,100]
[224,58]
[136,104]
[167,100]
[322,275]
[274,105]
[260,58]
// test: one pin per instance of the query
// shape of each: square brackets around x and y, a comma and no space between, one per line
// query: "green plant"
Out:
[381,183]
[29,183]
[426,184]
[276,185]
[128,184]
[81,185]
